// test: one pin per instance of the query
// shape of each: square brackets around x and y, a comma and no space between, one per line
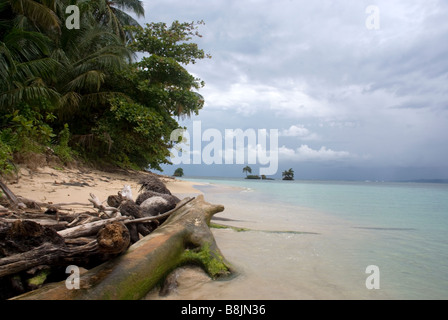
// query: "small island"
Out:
[288,174]
[248,169]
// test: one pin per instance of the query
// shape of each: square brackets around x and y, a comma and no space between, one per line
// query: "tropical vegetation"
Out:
[109,92]
[179,172]
[247,170]
[288,174]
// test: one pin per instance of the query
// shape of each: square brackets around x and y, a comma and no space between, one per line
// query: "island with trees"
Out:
[288,174]
[248,169]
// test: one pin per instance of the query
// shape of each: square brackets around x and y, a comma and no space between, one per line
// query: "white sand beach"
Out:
[51,185]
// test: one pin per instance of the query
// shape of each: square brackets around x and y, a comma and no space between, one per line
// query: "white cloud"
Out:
[377,92]
[287,101]
[305,153]
[299,131]
[295,131]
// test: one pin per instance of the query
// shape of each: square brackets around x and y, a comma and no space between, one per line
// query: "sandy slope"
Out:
[51,185]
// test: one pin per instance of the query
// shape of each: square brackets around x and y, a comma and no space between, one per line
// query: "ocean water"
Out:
[315,240]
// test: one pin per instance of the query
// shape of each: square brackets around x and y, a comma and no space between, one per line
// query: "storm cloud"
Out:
[341,95]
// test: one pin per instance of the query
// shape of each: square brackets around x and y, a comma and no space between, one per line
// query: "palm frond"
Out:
[22,92]
[136,6]
[26,45]
[40,14]
[68,103]
[44,68]
[89,81]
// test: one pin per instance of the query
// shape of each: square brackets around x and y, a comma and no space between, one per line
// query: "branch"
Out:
[87,229]
[98,205]
[161,216]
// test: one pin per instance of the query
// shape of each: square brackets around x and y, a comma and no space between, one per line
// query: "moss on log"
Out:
[184,238]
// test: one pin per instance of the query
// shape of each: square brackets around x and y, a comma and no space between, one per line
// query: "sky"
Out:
[357,90]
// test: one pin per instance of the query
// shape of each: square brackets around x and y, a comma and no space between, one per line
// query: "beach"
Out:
[53,185]
[291,241]
[319,240]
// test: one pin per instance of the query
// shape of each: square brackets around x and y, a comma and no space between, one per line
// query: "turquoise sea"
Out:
[401,228]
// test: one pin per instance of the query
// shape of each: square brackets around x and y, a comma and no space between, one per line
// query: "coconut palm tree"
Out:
[25,62]
[41,15]
[288,174]
[69,69]
[112,14]
[86,65]
[247,169]
[25,67]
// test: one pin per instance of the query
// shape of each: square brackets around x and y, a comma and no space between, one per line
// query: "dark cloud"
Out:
[375,98]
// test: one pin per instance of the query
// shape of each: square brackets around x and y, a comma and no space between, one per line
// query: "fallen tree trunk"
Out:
[184,238]
[10,195]
[112,239]
[87,229]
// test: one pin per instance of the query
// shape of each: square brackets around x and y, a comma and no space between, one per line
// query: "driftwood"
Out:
[87,229]
[128,246]
[97,204]
[11,196]
[184,238]
[112,238]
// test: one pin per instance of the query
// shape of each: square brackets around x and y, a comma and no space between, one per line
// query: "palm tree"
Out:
[86,66]
[25,62]
[41,15]
[68,69]
[288,174]
[247,169]
[25,68]
[112,15]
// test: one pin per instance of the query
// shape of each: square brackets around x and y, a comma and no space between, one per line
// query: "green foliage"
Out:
[131,135]
[161,79]
[179,172]
[62,149]
[5,158]
[27,129]
[288,174]
[119,111]
[247,170]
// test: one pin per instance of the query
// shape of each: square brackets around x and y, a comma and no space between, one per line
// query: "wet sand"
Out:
[290,253]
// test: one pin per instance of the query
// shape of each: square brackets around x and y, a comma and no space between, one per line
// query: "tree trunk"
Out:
[87,229]
[112,239]
[184,238]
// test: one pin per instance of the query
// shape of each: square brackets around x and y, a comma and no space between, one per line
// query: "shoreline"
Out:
[281,251]
[286,252]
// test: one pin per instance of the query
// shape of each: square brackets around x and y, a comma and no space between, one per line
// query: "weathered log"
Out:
[153,183]
[57,225]
[45,254]
[184,238]
[87,229]
[48,205]
[23,235]
[10,195]
[112,239]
